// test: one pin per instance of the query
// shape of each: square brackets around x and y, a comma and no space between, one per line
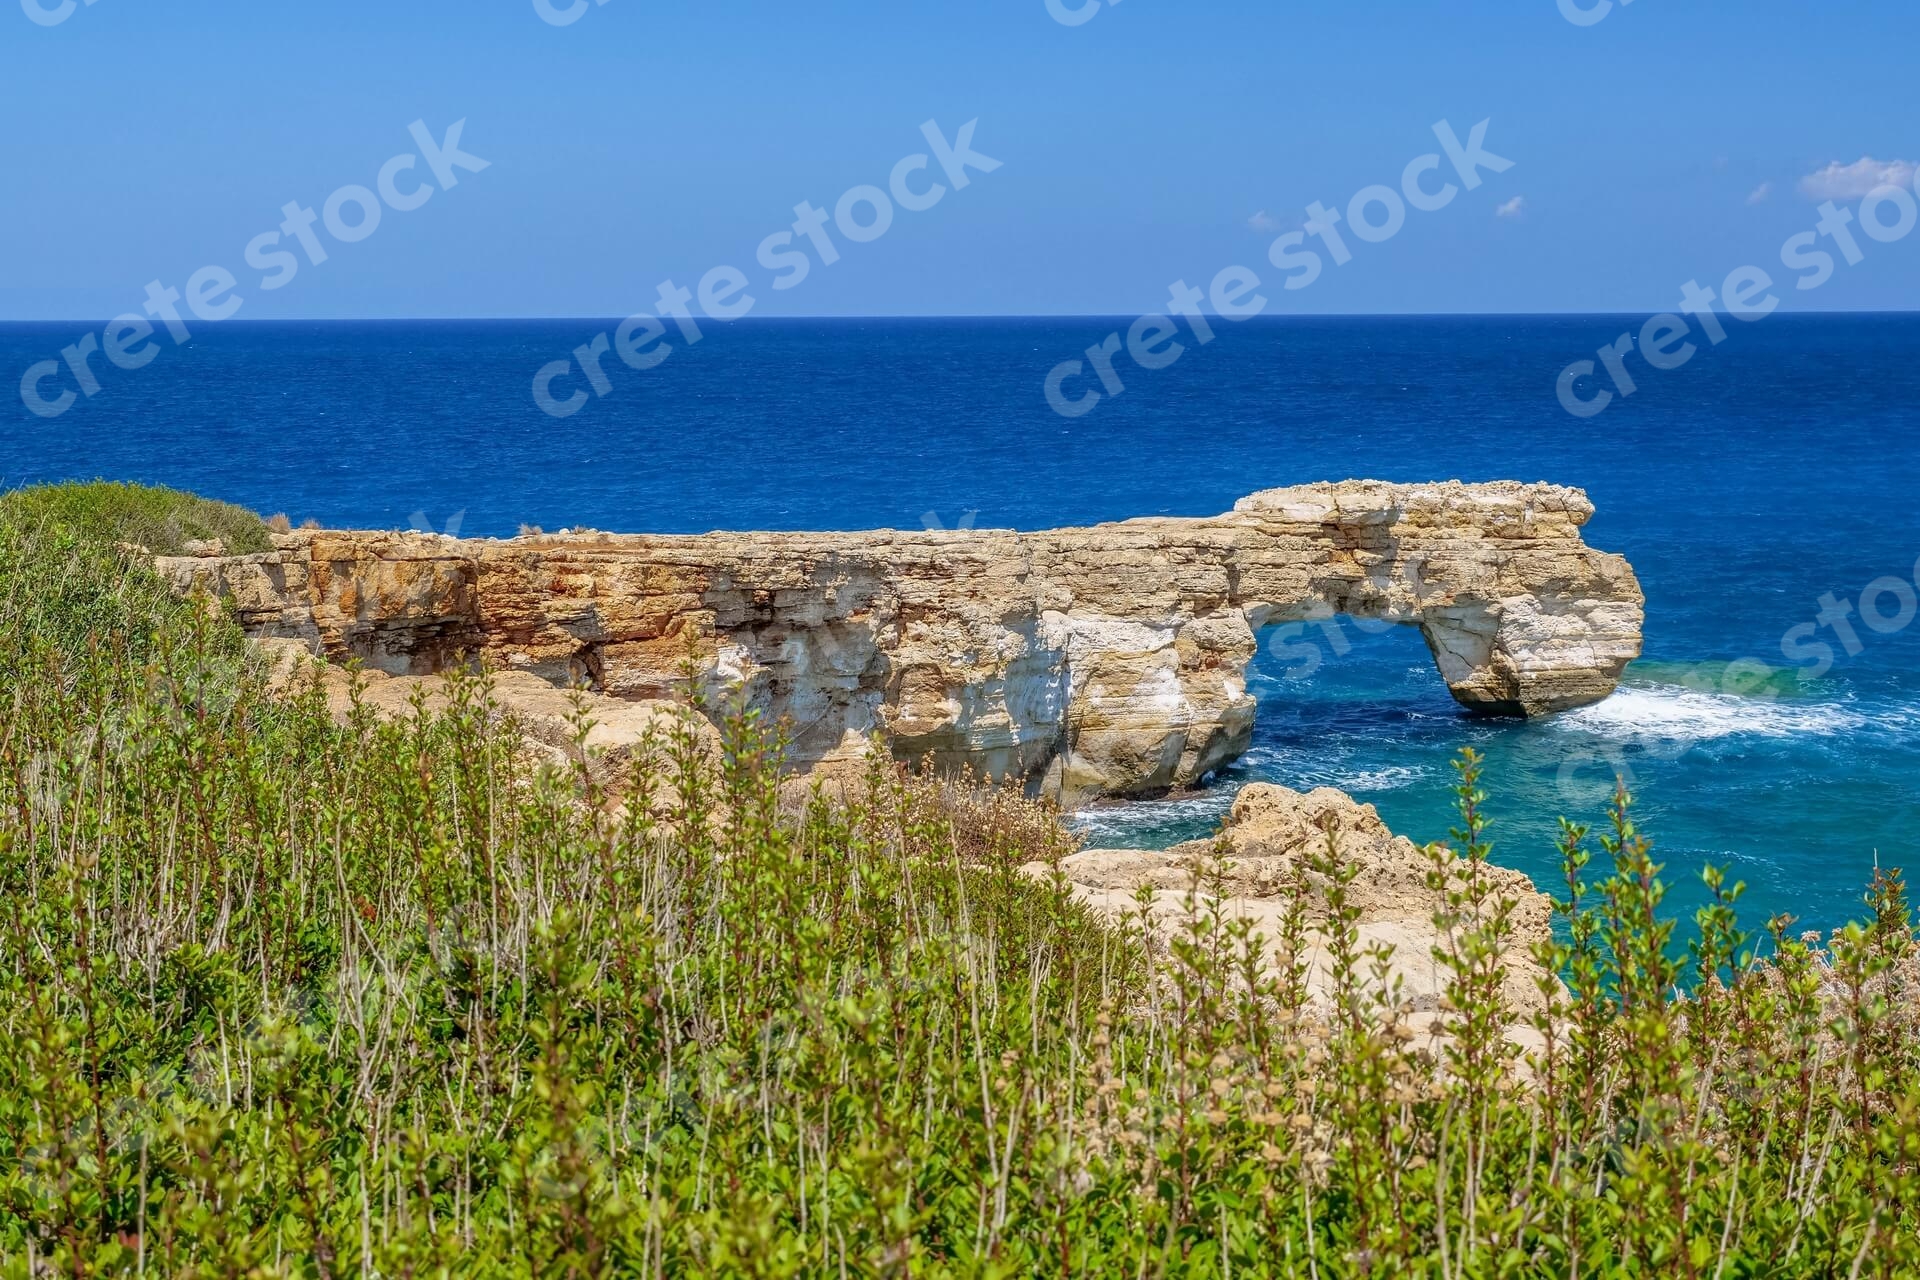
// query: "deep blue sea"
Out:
[1769,472]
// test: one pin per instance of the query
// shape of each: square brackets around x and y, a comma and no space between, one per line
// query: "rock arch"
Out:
[1105,661]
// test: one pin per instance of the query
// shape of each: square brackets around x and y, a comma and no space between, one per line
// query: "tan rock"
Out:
[548,716]
[1275,832]
[1101,661]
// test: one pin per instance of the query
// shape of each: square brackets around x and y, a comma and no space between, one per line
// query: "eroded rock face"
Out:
[1102,661]
[1276,833]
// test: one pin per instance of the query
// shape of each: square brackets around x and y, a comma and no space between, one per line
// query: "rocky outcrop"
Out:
[1102,661]
[551,720]
[1276,834]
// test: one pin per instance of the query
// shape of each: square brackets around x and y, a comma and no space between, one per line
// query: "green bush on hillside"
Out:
[160,519]
[74,605]
[286,995]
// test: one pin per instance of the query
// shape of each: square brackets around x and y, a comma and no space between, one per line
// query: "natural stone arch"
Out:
[1102,661]
[1520,616]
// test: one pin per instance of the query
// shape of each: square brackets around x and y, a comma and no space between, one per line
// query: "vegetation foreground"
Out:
[281,995]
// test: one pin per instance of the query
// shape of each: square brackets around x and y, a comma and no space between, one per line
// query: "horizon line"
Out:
[958,315]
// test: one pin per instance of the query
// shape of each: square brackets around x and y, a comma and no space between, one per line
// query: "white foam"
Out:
[1208,808]
[1387,779]
[1695,715]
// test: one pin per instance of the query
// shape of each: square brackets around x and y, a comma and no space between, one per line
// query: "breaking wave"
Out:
[1674,713]
[1123,825]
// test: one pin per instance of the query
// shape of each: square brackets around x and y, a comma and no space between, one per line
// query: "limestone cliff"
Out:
[1099,661]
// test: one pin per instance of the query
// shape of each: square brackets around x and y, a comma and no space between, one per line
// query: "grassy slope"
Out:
[285,996]
[161,520]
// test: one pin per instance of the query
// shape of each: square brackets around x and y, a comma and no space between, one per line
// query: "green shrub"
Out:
[286,995]
[78,611]
[159,519]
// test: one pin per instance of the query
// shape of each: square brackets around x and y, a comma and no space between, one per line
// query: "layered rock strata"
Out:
[1102,661]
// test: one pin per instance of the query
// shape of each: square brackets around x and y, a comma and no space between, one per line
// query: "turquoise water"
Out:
[1797,795]
[1766,474]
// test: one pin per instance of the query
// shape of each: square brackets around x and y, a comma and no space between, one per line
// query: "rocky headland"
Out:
[1104,661]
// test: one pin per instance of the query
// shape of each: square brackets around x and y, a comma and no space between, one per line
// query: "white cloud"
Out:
[1848,181]
[1760,193]
[1512,208]
[1264,222]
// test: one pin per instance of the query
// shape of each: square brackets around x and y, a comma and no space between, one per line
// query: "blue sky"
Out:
[150,138]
